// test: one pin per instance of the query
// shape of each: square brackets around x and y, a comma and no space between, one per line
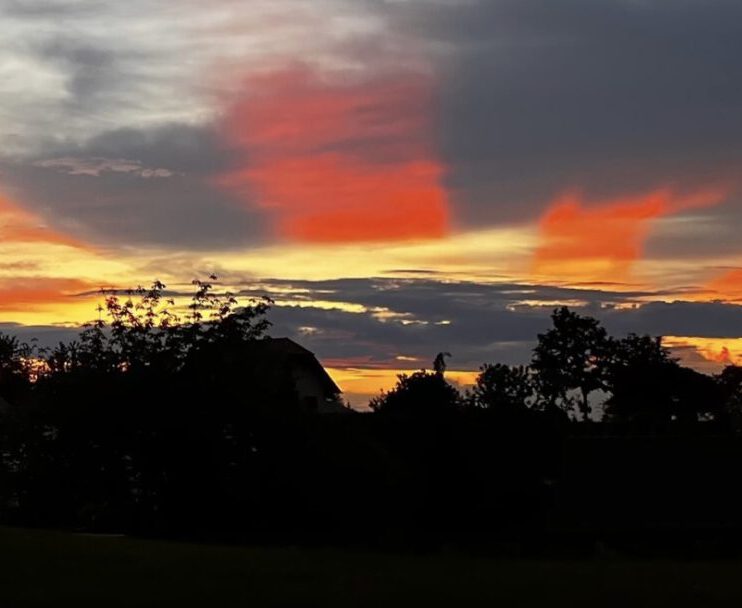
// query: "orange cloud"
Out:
[25,294]
[583,241]
[20,226]
[727,287]
[35,265]
[339,162]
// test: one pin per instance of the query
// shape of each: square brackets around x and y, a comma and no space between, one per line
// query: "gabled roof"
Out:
[285,350]
[283,346]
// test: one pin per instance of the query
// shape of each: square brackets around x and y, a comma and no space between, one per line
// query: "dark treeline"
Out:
[159,425]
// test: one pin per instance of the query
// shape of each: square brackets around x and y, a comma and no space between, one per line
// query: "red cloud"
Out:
[339,161]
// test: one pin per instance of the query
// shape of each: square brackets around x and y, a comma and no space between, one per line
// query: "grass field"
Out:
[57,569]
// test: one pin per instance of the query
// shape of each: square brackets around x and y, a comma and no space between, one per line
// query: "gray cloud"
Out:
[93,73]
[45,8]
[161,194]
[706,233]
[614,96]
[697,319]
[95,166]
[72,69]
[483,322]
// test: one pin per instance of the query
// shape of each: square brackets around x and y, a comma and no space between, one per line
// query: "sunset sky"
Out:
[403,176]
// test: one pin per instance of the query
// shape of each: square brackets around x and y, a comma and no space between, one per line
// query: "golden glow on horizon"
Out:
[54,261]
[475,255]
[719,351]
[359,384]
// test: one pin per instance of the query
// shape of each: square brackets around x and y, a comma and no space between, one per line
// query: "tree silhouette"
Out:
[502,387]
[569,358]
[637,376]
[421,393]
[648,387]
[17,367]
[729,382]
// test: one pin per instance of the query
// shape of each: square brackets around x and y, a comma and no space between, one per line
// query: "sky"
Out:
[403,177]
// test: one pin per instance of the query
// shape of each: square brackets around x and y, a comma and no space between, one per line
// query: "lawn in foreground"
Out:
[58,569]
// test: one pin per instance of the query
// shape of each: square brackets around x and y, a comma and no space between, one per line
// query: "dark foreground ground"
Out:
[58,569]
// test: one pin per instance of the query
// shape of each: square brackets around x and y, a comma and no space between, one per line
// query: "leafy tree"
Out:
[502,387]
[17,367]
[569,358]
[637,374]
[648,387]
[145,404]
[729,382]
[138,329]
[421,393]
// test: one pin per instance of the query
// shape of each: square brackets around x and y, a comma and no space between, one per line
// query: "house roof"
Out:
[284,346]
[286,350]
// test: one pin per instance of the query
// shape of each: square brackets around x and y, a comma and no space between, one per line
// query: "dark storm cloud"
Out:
[613,96]
[179,147]
[697,319]
[154,188]
[439,300]
[476,322]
